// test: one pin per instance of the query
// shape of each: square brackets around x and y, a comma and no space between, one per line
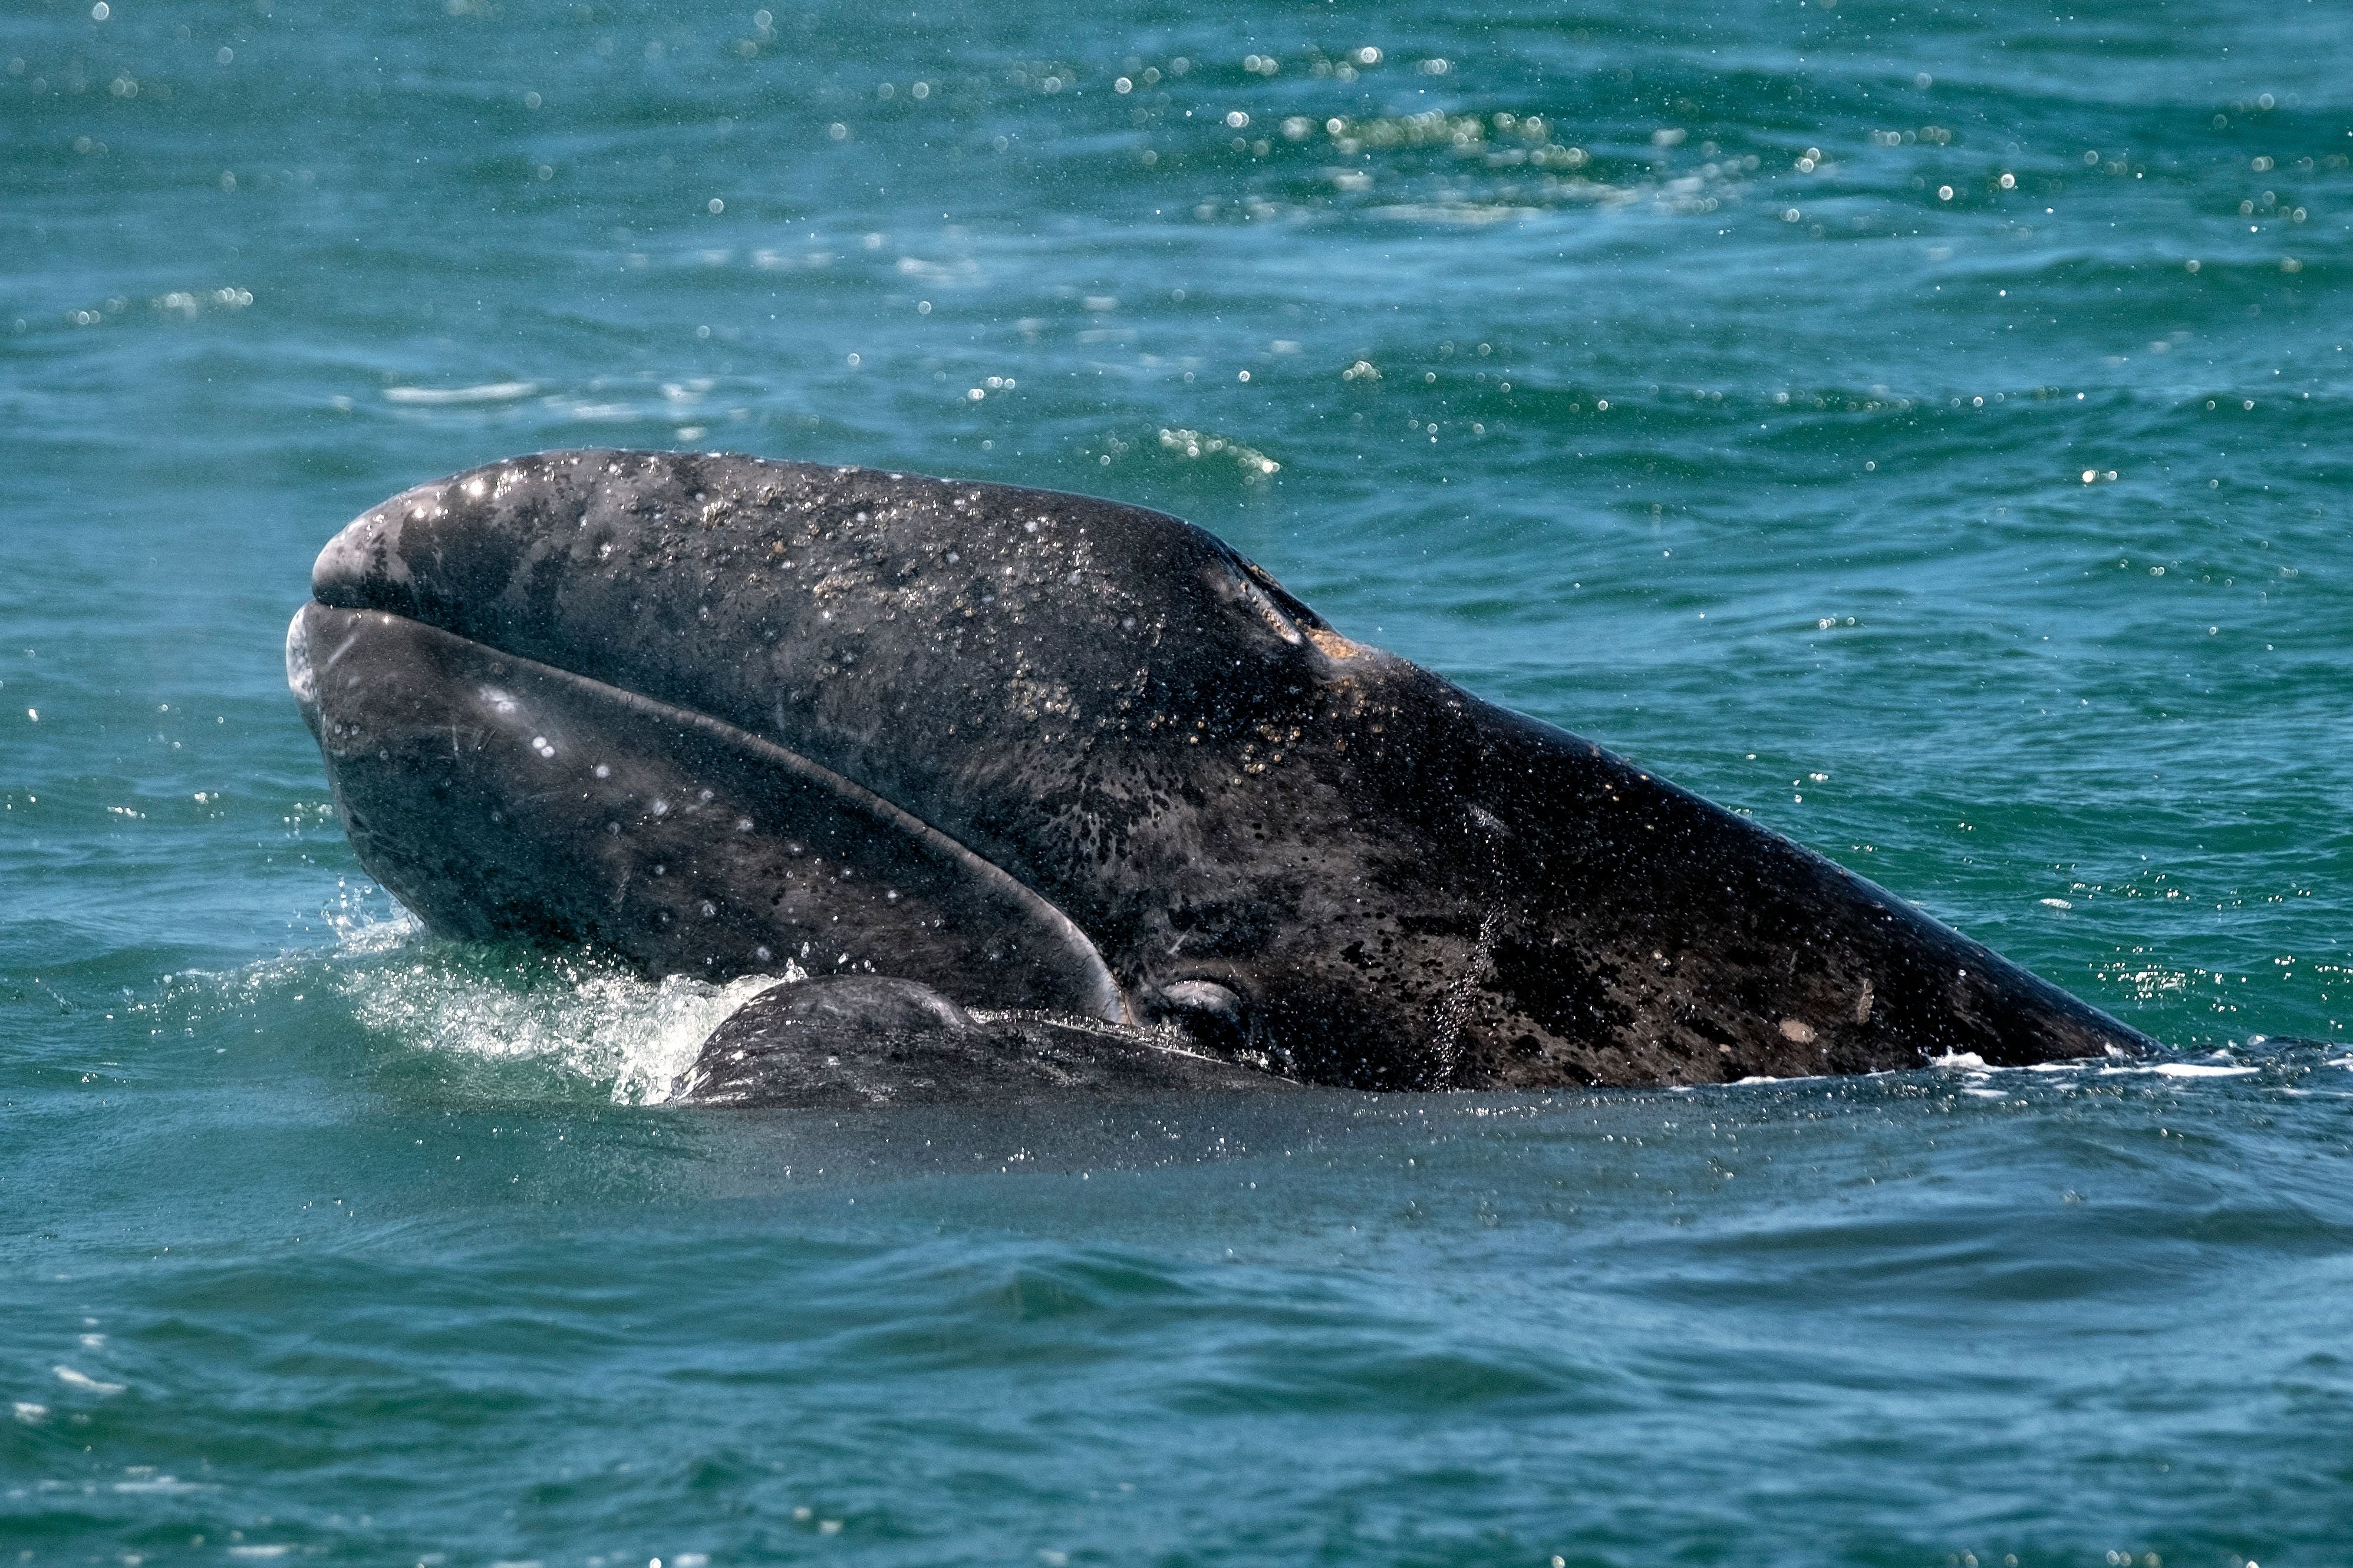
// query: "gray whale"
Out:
[1041,756]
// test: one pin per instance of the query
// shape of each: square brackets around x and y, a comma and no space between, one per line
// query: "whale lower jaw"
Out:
[853,1042]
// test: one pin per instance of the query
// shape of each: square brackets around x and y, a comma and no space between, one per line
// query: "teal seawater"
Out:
[1923,427]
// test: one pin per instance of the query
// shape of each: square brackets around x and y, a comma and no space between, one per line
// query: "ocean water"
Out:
[1923,427]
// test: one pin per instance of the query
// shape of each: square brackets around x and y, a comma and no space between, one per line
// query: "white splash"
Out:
[602,1025]
[576,1014]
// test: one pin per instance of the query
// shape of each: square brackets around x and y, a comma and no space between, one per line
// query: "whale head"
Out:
[1042,752]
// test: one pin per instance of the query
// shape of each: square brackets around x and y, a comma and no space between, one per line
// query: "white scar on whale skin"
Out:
[300,679]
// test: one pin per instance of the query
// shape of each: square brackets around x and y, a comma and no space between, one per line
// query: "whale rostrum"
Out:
[1056,791]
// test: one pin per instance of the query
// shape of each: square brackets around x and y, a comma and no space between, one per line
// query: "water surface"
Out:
[1923,430]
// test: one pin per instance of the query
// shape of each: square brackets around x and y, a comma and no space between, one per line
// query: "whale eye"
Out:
[1214,1014]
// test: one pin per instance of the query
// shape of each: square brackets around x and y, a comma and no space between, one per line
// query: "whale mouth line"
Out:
[1100,995]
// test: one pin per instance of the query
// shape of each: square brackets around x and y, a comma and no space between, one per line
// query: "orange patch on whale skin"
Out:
[1331,645]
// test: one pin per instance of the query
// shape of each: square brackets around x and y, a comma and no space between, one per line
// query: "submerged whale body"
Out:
[1047,790]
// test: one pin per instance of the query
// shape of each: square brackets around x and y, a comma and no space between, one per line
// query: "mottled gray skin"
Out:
[1106,765]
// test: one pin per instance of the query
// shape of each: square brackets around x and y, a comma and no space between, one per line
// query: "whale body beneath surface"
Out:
[1024,792]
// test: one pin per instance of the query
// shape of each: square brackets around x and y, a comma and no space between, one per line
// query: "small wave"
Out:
[1469,215]
[490,392]
[73,1379]
[2178,1069]
[161,1485]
